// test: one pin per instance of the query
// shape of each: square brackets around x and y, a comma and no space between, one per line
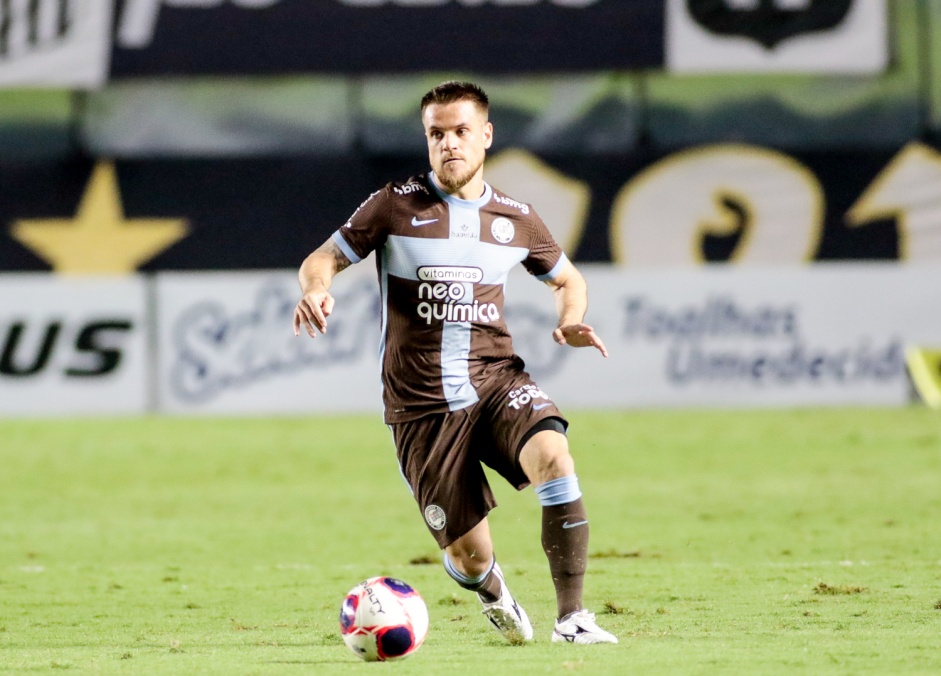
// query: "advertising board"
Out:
[827,335]
[195,37]
[799,36]
[55,43]
[226,345]
[73,346]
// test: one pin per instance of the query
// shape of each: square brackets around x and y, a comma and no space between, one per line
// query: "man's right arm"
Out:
[315,276]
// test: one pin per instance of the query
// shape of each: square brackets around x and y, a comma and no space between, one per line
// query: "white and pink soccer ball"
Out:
[383,618]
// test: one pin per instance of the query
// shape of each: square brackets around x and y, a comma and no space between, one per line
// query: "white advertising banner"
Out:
[55,43]
[227,345]
[791,36]
[822,335]
[828,335]
[72,345]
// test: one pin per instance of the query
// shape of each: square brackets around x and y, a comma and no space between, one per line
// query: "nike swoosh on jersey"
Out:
[568,525]
[539,407]
[416,222]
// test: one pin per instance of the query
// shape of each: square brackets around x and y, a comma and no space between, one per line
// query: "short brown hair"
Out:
[453,91]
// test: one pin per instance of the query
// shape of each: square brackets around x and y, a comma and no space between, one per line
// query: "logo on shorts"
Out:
[502,230]
[435,517]
[526,394]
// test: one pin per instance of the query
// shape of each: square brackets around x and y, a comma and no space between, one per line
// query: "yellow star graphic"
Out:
[99,240]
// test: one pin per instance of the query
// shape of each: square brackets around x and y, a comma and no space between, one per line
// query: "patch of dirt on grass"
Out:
[615,554]
[825,589]
[612,608]
[452,600]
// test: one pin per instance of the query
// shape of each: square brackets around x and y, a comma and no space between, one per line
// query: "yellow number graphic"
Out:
[908,190]
[771,202]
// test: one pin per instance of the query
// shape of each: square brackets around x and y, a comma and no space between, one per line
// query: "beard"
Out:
[453,179]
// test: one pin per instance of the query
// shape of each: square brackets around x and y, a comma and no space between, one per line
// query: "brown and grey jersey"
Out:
[443,264]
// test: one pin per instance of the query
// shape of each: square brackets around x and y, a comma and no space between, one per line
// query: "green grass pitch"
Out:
[722,542]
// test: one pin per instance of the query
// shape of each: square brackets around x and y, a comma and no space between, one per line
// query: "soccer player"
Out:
[455,393]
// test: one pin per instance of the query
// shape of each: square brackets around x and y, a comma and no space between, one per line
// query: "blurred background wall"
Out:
[275,116]
[144,138]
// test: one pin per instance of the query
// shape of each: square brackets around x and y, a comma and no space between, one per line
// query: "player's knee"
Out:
[557,463]
[466,562]
[472,553]
[547,458]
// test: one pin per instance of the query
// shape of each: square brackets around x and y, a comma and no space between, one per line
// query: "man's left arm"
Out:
[571,304]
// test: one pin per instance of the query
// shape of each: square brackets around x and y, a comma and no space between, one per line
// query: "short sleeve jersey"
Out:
[443,264]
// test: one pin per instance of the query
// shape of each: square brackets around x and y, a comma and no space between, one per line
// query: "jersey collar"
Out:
[457,201]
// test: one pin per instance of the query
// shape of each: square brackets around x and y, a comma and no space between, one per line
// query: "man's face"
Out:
[458,135]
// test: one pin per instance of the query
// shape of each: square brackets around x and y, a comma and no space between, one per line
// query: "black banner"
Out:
[712,204]
[190,37]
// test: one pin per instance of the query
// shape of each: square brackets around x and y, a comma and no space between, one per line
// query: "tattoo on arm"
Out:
[340,261]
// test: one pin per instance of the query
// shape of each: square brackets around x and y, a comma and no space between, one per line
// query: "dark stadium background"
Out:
[265,127]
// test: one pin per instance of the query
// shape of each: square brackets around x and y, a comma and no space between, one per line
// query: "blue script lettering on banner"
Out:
[723,340]
[689,363]
[156,37]
[717,317]
[217,351]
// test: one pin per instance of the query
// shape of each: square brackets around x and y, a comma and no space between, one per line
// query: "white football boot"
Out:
[506,615]
[579,627]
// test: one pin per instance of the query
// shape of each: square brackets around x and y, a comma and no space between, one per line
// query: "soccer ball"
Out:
[383,618]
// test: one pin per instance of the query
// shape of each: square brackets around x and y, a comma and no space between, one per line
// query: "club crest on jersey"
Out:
[502,230]
[435,517]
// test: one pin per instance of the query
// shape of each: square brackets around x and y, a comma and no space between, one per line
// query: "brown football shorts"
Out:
[440,454]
